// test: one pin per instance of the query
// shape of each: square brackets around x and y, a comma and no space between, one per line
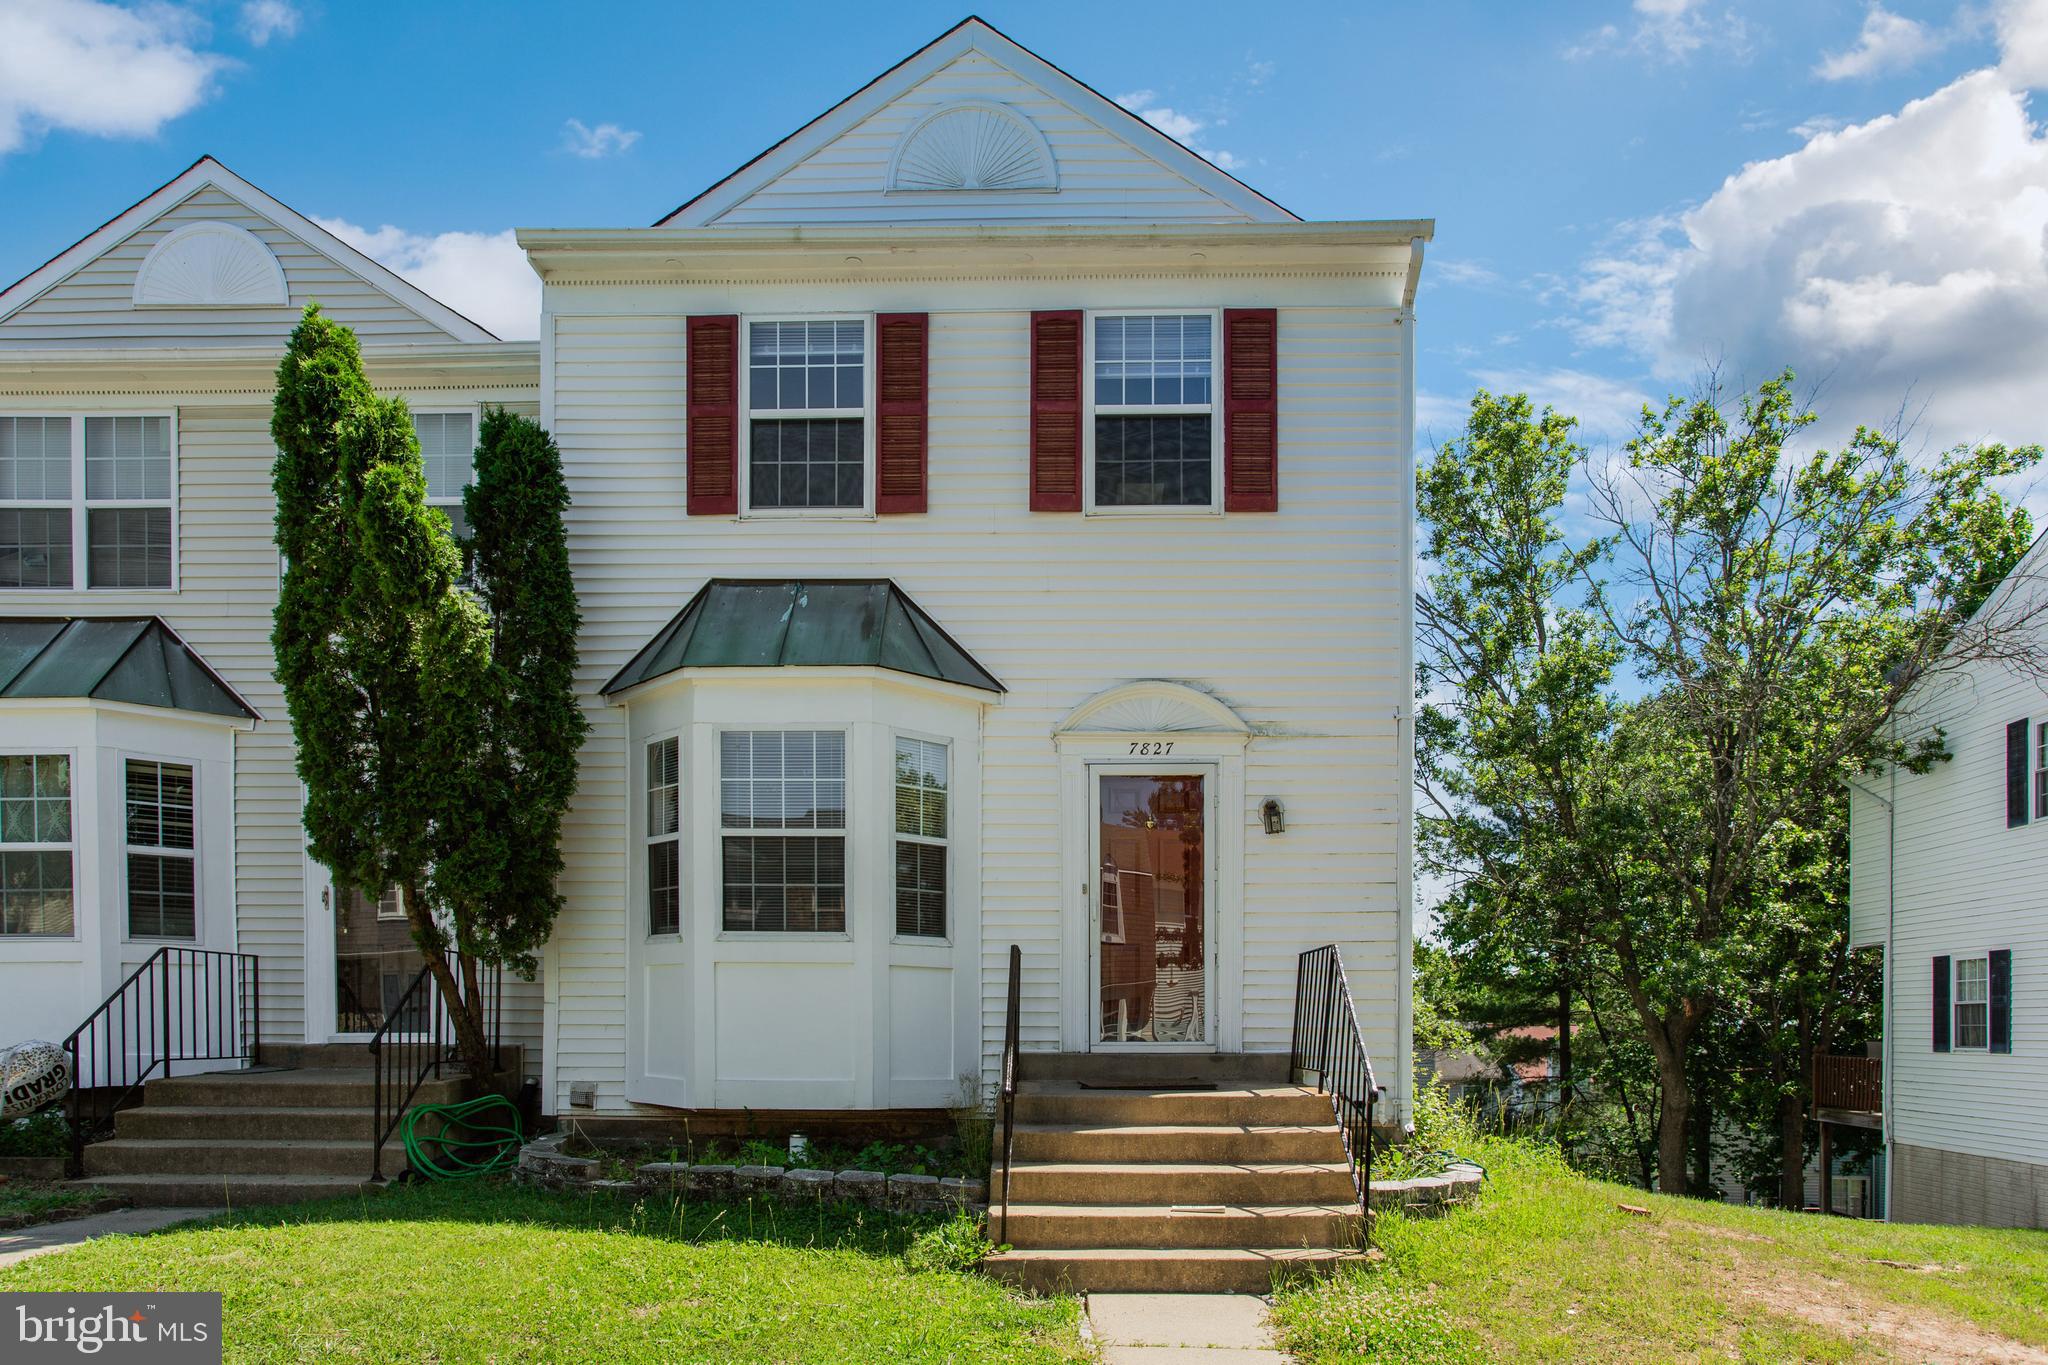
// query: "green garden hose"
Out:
[461,1137]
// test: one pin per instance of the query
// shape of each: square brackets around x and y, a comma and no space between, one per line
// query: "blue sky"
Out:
[1599,237]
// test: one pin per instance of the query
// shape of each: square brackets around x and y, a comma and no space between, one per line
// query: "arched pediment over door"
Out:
[1154,707]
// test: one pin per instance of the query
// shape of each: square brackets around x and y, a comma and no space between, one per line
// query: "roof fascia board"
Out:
[168,714]
[208,172]
[774,674]
[973,35]
[498,364]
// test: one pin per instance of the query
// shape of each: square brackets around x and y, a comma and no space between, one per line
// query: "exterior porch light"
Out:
[1273,815]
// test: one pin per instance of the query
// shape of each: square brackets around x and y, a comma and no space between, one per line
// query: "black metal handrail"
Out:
[1009,1076]
[417,1040]
[180,1005]
[1329,1045]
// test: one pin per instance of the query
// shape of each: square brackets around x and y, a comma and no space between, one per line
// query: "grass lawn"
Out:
[24,1197]
[1549,1268]
[500,1273]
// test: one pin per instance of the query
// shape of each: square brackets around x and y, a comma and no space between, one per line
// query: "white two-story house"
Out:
[1946,871]
[993,527]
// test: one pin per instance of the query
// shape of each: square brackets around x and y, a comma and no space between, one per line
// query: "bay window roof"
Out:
[830,623]
[134,659]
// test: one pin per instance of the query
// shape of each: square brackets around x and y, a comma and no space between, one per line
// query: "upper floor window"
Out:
[448,450]
[1152,392]
[1973,1002]
[163,888]
[86,499]
[36,843]
[807,429]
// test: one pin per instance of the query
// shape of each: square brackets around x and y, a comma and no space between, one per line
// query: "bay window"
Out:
[1151,390]
[86,499]
[163,897]
[664,837]
[36,846]
[920,838]
[807,429]
[782,803]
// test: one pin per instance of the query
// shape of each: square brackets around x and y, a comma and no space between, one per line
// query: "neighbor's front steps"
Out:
[265,1136]
[1172,1190]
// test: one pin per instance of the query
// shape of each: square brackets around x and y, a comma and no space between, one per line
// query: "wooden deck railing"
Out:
[1851,1084]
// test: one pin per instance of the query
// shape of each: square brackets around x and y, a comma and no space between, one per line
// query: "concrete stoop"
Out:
[1171,1190]
[277,1134]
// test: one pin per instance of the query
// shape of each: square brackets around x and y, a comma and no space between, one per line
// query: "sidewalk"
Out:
[1184,1329]
[49,1237]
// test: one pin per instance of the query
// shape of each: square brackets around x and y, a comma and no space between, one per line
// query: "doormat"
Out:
[1147,1085]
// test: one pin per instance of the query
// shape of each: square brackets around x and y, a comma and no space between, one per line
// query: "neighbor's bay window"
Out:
[86,499]
[782,804]
[163,894]
[920,838]
[807,437]
[664,836]
[1152,393]
[36,845]
[1973,1003]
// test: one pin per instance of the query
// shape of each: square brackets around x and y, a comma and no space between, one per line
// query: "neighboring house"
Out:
[1510,1078]
[982,507]
[1946,877]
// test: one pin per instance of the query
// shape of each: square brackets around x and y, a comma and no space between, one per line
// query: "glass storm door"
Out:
[375,960]
[1152,942]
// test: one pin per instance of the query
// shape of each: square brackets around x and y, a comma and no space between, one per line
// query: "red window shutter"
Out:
[902,410]
[712,413]
[1251,410]
[1056,411]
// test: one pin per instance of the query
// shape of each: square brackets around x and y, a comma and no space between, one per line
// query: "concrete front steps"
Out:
[271,1135]
[1163,1189]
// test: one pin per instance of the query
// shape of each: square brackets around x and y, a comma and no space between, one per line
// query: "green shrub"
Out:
[956,1244]
[43,1134]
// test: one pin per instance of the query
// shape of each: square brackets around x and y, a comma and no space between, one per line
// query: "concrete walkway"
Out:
[49,1237]
[1185,1329]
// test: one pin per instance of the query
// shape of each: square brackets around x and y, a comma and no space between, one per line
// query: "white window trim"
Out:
[896,836]
[396,895]
[1956,1001]
[855,869]
[80,505]
[473,411]
[197,939]
[1214,407]
[866,414]
[648,839]
[70,756]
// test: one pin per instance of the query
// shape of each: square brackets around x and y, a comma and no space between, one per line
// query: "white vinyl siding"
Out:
[94,306]
[1058,607]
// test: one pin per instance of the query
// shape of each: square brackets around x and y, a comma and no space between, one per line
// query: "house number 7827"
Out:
[1152,748]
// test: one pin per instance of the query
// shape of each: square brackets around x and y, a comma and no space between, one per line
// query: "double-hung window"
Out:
[2041,770]
[782,803]
[86,500]
[664,836]
[36,846]
[921,786]
[163,894]
[807,429]
[448,450]
[1152,394]
[1973,1003]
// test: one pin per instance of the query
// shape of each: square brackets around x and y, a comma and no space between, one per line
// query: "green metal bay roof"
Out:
[777,623]
[134,659]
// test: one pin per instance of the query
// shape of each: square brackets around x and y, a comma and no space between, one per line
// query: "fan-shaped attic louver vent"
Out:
[210,265]
[973,146]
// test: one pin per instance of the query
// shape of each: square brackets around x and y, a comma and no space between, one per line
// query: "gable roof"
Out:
[972,34]
[208,171]
[821,623]
[133,659]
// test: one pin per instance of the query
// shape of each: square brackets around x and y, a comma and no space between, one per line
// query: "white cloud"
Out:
[483,276]
[91,67]
[1181,127]
[1898,262]
[1886,42]
[1607,408]
[1813,126]
[606,139]
[263,20]
[1667,31]
[1468,273]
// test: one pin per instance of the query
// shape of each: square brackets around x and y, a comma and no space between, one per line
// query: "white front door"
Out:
[1153,930]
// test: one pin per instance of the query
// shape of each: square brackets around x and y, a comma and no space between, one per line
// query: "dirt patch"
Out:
[1914,1333]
